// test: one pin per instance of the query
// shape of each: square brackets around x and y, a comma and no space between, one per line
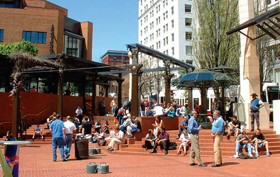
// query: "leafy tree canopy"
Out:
[23,47]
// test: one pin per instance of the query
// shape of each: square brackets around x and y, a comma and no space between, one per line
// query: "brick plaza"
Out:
[36,160]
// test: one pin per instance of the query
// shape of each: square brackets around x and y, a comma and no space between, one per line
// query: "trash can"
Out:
[81,149]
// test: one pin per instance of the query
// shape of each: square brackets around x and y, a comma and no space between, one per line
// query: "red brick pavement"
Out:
[36,160]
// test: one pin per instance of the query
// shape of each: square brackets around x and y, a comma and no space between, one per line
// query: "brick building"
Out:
[119,59]
[47,26]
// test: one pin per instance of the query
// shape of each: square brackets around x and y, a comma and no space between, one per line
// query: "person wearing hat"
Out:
[127,122]
[194,131]
[256,104]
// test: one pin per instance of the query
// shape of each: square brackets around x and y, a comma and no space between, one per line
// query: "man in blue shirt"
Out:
[183,126]
[193,131]
[256,104]
[217,133]
[58,132]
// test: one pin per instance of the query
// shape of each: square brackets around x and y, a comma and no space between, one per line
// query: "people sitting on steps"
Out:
[127,122]
[118,139]
[150,139]
[243,142]
[185,142]
[162,141]
[259,141]
[234,126]
[98,125]
[183,126]
[38,131]
[134,127]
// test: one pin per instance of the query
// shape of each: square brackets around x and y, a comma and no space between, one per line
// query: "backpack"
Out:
[172,146]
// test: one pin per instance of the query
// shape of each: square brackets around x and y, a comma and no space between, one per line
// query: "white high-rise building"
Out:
[166,26]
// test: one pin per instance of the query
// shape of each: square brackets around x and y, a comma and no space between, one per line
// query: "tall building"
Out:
[47,26]
[166,26]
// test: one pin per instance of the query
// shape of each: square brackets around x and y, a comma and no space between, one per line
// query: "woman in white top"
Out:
[112,134]
[185,142]
[158,125]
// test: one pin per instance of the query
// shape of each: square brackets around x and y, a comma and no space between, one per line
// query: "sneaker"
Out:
[166,152]
[236,156]
[250,155]
[257,155]
[67,156]
[228,135]
[267,154]
[64,160]
[154,151]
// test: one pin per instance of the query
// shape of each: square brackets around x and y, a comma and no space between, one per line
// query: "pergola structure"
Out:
[135,68]
[268,22]
[77,70]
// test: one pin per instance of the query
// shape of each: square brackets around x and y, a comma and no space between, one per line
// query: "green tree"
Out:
[23,47]
[211,45]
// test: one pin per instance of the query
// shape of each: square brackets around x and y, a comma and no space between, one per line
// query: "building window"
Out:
[188,8]
[268,1]
[166,52]
[1,35]
[172,10]
[172,37]
[188,35]
[34,37]
[73,46]
[166,39]
[123,58]
[115,58]
[166,27]
[172,23]
[188,50]
[172,50]
[188,21]
[166,14]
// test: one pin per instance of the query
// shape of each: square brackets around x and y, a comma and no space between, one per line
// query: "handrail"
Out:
[37,113]
[89,105]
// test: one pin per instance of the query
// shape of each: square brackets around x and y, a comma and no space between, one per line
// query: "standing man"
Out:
[255,106]
[57,130]
[79,113]
[70,128]
[217,133]
[87,127]
[194,130]
[113,105]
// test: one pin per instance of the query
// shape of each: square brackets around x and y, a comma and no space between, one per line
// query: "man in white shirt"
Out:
[79,113]
[118,139]
[158,110]
[70,128]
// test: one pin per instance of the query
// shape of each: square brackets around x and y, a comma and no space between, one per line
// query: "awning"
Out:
[268,22]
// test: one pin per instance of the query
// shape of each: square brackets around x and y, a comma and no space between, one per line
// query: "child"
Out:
[186,142]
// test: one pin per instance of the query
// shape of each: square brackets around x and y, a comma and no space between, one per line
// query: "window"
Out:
[1,35]
[172,50]
[268,1]
[172,37]
[188,21]
[166,39]
[172,10]
[166,52]
[34,37]
[166,27]
[172,23]
[188,50]
[166,14]
[141,33]
[115,58]
[163,3]
[73,46]
[166,2]
[123,58]
[159,44]
[163,16]
[188,35]
[188,8]
[163,41]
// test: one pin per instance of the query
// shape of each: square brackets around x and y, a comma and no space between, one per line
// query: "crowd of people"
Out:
[127,125]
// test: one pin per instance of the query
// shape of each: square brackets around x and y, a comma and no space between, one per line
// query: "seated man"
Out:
[234,126]
[150,139]
[38,131]
[183,126]
[134,127]
[259,142]
[163,141]
[242,141]
[118,139]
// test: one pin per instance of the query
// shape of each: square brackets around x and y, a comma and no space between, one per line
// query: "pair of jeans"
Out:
[68,144]
[142,113]
[58,141]
[243,146]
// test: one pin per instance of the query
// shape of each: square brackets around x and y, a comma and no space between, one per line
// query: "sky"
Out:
[115,22]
